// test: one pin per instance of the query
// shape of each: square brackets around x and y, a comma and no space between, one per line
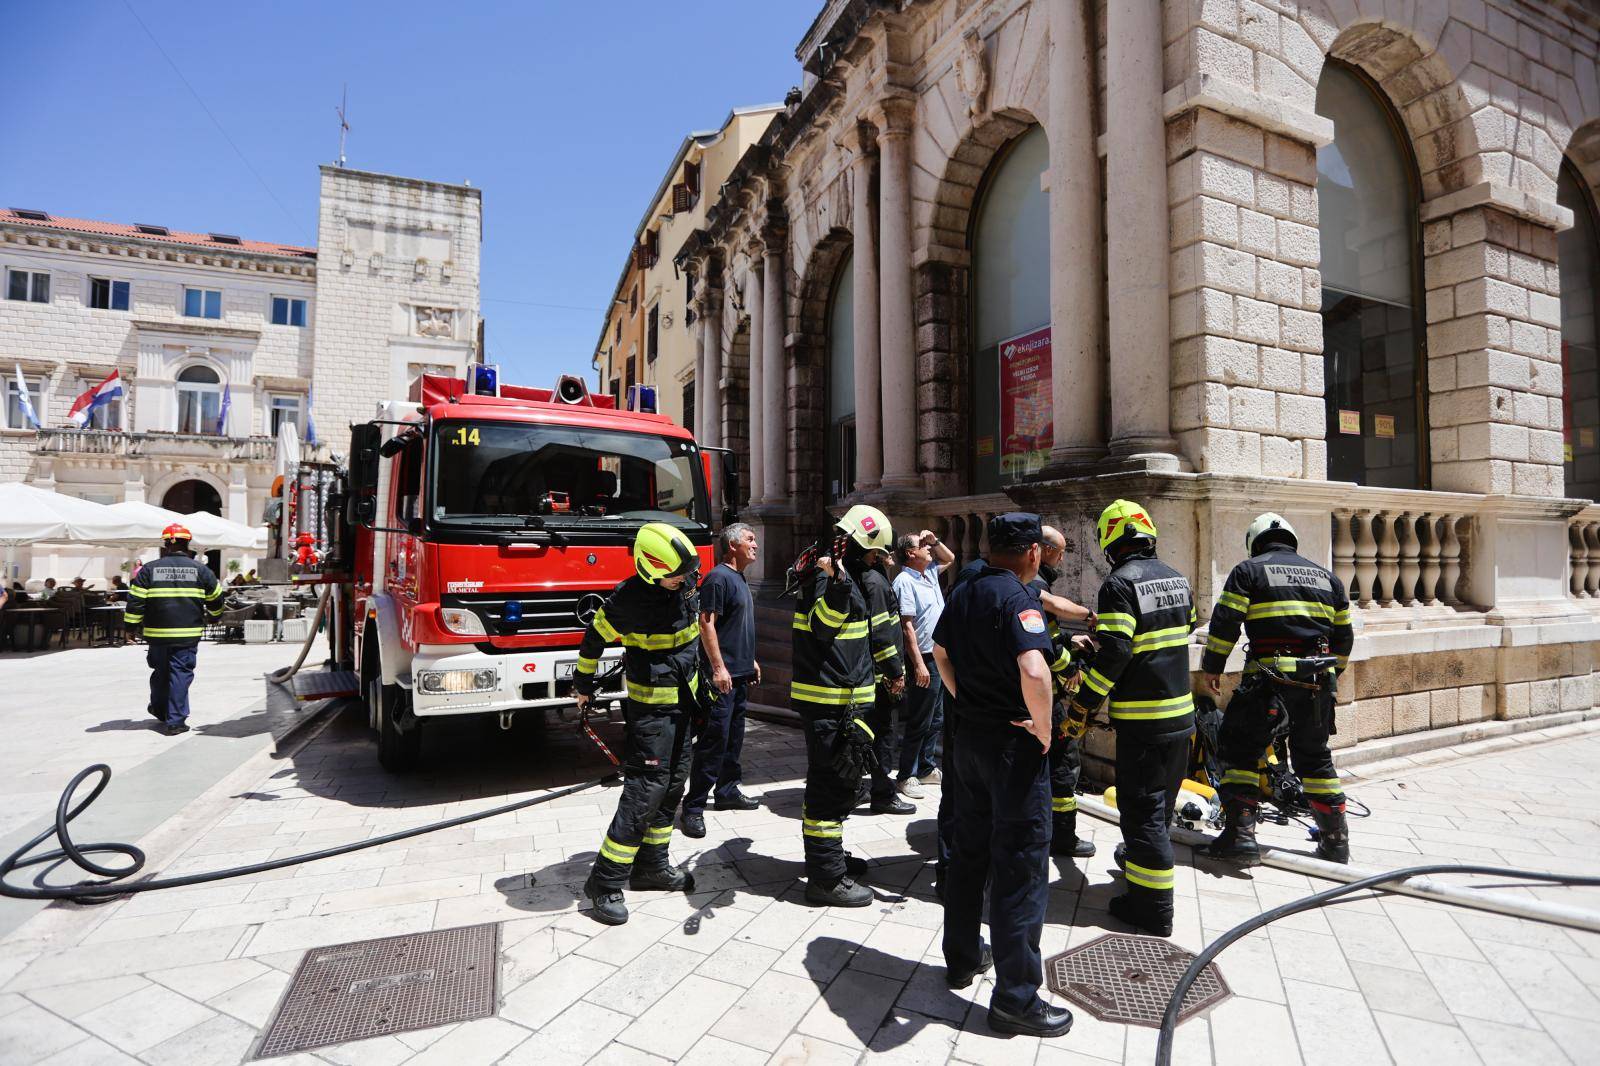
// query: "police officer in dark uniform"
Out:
[169,602]
[832,690]
[1146,614]
[1296,614]
[655,616]
[993,650]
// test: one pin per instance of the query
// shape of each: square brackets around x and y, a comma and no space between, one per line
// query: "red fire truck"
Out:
[478,531]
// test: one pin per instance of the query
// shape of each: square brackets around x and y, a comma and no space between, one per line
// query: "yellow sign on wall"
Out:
[1350,422]
[1383,425]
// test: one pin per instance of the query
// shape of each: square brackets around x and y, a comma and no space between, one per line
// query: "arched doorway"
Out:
[1012,416]
[841,416]
[187,497]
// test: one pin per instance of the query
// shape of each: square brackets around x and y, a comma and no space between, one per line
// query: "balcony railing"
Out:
[1583,553]
[115,444]
[1403,552]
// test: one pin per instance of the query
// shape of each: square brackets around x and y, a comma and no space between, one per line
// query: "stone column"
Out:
[1136,208]
[711,341]
[1077,368]
[700,345]
[897,327]
[753,301]
[774,481]
[864,300]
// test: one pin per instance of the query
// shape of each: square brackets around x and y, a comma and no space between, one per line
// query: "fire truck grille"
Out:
[541,612]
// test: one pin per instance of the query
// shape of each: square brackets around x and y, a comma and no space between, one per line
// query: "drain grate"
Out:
[392,985]
[1128,979]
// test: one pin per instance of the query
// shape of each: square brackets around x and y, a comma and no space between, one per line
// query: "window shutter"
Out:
[680,199]
[691,179]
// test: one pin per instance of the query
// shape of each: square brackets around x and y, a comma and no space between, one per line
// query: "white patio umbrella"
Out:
[216,532]
[30,515]
[149,519]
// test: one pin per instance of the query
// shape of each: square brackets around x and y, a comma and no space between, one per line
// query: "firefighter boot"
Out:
[663,878]
[1237,841]
[842,893]
[1141,914]
[1333,835]
[1064,839]
[609,909]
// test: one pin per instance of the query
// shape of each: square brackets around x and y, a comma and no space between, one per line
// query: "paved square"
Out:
[741,970]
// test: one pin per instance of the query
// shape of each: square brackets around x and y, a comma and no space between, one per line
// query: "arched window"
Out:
[842,383]
[1367,191]
[1579,259]
[199,400]
[1012,425]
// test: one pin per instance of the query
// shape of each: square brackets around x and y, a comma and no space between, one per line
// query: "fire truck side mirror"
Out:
[362,510]
[365,441]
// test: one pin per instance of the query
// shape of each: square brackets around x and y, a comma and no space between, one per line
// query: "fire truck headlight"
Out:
[451,682]
[462,622]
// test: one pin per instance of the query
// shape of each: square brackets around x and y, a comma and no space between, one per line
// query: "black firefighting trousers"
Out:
[1066,761]
[829,797]
[1150,766]
[1254,716]
[660,748]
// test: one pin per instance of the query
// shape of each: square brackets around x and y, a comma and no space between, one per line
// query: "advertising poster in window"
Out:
[1026,425]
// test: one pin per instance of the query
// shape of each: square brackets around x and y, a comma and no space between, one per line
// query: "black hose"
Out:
[1169,1020]
[79,853]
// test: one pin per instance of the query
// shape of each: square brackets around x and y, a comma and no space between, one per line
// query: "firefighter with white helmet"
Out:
[1297,616]
[833,690]
[654,615]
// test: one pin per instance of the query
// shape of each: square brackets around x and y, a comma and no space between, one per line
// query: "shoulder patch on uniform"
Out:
[1282,575]
[1031,620]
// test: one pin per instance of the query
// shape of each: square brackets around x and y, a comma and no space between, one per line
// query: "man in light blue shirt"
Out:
[916,587]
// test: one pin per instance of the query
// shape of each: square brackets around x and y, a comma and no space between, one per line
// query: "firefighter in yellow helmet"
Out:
[654,615]
[1145,616]
[833,690]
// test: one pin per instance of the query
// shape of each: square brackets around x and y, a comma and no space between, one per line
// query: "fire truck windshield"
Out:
[499,474]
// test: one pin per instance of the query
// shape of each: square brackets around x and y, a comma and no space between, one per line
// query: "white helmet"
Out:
[1272,523]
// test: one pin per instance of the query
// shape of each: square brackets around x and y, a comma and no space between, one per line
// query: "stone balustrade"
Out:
[1409,552]
[1583,554]
[962,523]
[116,444]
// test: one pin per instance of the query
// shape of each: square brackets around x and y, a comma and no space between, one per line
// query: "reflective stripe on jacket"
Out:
[831,637]
[659,630]
[1286,604]
[1146,613]
[172,598]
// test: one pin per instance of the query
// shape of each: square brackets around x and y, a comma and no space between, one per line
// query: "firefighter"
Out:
[654,615]
[833,690]
[1293,611]
[169,601]
[1146,613]
[886,642]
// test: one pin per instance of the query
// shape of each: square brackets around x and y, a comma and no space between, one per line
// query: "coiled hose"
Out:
[282,676]
[111,887]
[1169,1020]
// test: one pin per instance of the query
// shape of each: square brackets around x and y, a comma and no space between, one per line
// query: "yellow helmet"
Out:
[1124,518]
[662,551]
[868,527]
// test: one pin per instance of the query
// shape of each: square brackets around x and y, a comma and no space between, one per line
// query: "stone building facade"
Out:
[218,340]
[1219,256]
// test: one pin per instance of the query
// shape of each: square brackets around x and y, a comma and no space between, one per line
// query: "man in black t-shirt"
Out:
[728,643]
[993,645]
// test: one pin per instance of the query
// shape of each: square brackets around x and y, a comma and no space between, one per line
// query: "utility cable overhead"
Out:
[197,99]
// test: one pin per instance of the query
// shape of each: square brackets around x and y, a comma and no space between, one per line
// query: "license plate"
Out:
[564,671]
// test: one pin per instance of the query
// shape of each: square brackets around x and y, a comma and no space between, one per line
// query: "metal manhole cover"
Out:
[1128,979]
[392,985]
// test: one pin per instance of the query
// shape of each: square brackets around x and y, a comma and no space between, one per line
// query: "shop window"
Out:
[1579,251]
[1012,423]
[841,443]
[1373,365]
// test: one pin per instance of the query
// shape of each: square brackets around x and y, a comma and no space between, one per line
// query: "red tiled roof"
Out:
[120,229]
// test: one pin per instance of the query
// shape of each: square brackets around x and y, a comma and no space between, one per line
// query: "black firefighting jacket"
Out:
[885,638]
[659,630]
[1146,613]
[833,667]
[172,598]
[1060,643]
[1287,605]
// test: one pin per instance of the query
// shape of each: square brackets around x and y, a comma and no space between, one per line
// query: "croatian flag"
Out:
[84,407]
[222,417]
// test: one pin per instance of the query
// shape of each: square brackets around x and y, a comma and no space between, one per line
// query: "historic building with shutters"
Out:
[1335,258]
[218,341]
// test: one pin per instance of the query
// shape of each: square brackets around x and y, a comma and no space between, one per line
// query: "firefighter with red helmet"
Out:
[170,600]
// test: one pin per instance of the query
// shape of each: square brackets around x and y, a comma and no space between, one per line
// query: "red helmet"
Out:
[306,539]
[175,532]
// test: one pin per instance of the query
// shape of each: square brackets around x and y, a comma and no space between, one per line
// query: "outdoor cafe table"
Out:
[108,619]
[31,620]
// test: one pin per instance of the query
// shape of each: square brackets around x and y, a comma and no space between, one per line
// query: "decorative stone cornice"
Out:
[154,252]
[185,329]
[1235,101]
[1502,198]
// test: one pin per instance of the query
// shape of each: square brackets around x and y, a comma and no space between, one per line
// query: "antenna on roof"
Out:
[344,124]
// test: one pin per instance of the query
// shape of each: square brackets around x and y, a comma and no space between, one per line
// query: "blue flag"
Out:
[222,418]
[311,425]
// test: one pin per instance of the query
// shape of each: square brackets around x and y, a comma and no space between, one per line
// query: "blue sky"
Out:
[566,114]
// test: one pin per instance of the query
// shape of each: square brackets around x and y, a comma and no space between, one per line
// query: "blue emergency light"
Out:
[483,380]
[642,398]
[512,612]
